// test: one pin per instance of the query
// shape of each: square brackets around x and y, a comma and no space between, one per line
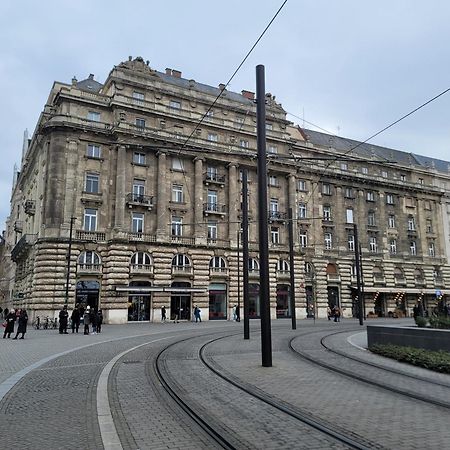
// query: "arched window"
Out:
[89,258]
[218,264]
[181,260]
[282,266]
[399,275]
[253,265]
[309,269]
[418,275]
[378,273]
[141,261]
[332,269]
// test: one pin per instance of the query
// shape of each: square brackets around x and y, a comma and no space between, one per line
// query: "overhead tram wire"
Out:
[227,84]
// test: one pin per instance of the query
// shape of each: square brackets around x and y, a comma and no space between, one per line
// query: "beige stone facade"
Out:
[154,189]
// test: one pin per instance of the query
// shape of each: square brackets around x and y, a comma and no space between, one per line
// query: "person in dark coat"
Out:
[9,319]
[99,321]
[163,314]
[75,319]
[86,320]
[22,328]
[93,319]
[63,319]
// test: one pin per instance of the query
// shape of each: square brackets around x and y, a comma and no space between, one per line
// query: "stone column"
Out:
[233,201]
[119,218]
[162,223]
[71,178]
[199,227]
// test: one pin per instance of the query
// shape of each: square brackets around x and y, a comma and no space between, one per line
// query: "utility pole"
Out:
[291,267]
[72,220]
[264,298]
[239,271]
[245,252]
[358,276]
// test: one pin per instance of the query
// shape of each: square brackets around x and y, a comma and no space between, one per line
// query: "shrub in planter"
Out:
[421,322]
[441,322]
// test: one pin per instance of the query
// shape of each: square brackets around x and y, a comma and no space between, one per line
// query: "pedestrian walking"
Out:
[99,321]
[75,318]
[22,328]
[93,319]
[337,313]
[86,320]
[233,311]
[163,314]
[238,314]
[329,312]
[9,323]
[63,320]
[175,315]
[197,314]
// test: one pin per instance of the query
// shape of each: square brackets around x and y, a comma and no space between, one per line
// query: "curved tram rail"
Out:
[373,382]
[350,441]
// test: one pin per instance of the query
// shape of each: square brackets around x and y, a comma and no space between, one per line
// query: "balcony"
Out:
[218,271]
[90,268]
[181,270]
[379,279]
[420,281]
[30,207]
[141,237]
[141,268]
[400,281]
[214,209]
[439,282]
[182,240]
[93,236]
[283,274]
[217,242]
[277,216]
[334,277]
[253,273]
[138,200]
[211,178]
[22,247]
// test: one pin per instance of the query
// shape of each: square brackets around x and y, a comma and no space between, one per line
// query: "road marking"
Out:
[108,431]
[351,342]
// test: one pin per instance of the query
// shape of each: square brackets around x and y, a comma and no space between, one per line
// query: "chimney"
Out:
[91,76]
[248,94]
[176,73]
[74,81]
[221,86]
[168,71]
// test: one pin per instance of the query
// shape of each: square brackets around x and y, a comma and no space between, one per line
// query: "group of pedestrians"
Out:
[10,318]
[89,316]
[334,313]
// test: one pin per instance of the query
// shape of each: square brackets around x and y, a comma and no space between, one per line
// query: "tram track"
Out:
[221,433]
[373,379]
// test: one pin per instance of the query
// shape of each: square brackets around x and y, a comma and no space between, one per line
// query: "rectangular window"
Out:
[326,189]
[209,115]
[90,219]
[243,143]
[349,215]
[138,190]
[327,213]
[303,239]
[177,226]
[431,249]
[93,116]
[421,181]
[273,180]
[212,137]
[177,193]
[391,221]
[175,105]
[351,242]
[273,206]
[402,177]
[344,166]
[272,149]
[413,248]
[177,164]
[429,226]
[302,211]
[370,196]
[364,170]
[328,241]
[301,185]
[140,123]
[212,229]
[269,126]
[93,151]
[411,224]
[212,200]
[138,98]
[389,199]
[371,219]
[139,158]
[373,245]
[384,174]
[393,246]
[137,224]
[275,235]
[239,122]
[92,183]
[349,192]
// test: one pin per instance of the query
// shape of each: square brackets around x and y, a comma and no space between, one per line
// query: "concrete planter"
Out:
[427,338]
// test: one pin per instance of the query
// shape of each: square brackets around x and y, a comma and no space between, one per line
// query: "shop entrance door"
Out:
[88,294]
[180,303]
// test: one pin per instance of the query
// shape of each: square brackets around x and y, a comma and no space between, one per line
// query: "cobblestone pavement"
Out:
[54,403]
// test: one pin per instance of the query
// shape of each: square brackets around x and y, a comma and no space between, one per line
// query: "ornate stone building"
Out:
[152,188]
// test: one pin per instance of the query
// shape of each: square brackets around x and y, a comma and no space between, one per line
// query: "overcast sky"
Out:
[348,66]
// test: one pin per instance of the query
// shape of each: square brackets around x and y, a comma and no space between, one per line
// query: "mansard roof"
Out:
[89,84]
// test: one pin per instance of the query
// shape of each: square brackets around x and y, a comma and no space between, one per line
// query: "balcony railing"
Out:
[283,274]
[277,216]
[139,200]
[379,279]
[183,240]
[218,271]
[214,208]
[89,268]
[214,178]
[25,242]
[94,236]
[141,237]
[141,268]
[181,270]
[333,277]
[400,280]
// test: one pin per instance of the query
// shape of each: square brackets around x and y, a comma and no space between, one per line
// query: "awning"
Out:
[148,289]
[395,290]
